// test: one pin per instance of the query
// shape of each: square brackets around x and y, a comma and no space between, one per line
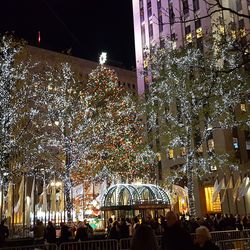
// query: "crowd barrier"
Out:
[91,245]
[33,247]
[226,239]
[236,244]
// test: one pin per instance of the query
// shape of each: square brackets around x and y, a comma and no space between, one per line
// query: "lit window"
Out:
[212,206]
[221,29]
[243,107]
[145,63]
[210,144]
[199,32]
[183,151]
[171,154]
[189,38]
[213,168]
[235,143]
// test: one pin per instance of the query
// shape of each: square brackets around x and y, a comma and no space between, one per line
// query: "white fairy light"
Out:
[103,58]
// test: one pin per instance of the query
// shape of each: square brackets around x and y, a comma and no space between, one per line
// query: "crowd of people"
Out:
[176,231]
[124,228]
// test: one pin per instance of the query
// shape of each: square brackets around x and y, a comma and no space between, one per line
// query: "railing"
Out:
[91,245]
[226,239]
[228,235]
[32,247]
[239,244]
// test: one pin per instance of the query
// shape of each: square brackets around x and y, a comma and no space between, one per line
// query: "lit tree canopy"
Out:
[116,129]
[193,94]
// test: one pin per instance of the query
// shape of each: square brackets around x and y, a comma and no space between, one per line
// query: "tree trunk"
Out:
[190,186]
[68,186]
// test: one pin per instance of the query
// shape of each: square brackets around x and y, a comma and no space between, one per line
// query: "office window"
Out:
[187,29]
[149,5]
[199,42]
[238,5]
[171,14]
[150,30]
[242,28]
[160,24]
[159,5]
[159,170]
[143,36]
[185,7]
[196,5]
[197,23]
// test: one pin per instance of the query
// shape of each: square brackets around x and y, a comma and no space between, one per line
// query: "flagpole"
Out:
[34,201]
[1,211]
[235,201]
[24,197]
[228,203]
[244,199]
[13,206]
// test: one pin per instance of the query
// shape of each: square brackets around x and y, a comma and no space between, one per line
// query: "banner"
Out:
[236,187]
[243,187]
[77,191]
[217,188]
[10,199]
[19,205]
[32,197]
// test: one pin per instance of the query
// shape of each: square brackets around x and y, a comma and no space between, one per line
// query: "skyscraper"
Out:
[184,22]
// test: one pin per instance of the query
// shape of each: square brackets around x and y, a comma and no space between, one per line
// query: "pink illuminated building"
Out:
[183,22]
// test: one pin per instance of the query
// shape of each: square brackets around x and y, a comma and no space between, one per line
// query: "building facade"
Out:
[184,22]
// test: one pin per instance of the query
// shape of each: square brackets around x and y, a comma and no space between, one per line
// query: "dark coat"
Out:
[209,245]
[81,234]
[4,233]
[50,234]
[177,238]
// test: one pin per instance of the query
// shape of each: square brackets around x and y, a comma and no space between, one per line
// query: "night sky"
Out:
[86,26]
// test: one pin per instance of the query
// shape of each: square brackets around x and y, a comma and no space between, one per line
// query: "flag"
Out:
[102,191]
[19,205]
[27,210]
[236,187]
[229,185]
[61,200]
[10,200]
[32,197]
[217,188]
[44,195]
[243,187]
[53,198]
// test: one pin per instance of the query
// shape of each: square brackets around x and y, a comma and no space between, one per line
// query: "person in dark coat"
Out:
[203,239]
[4,233]
[176,237]
[114,231]
[65,233]
[124,229]
[50,233]
[143,238]
[81,232]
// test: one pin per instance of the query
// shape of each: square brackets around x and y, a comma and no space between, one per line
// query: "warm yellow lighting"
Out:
[212,207]
[189,38]
[171,153]
[199,32]
[242,32]
[243,107]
